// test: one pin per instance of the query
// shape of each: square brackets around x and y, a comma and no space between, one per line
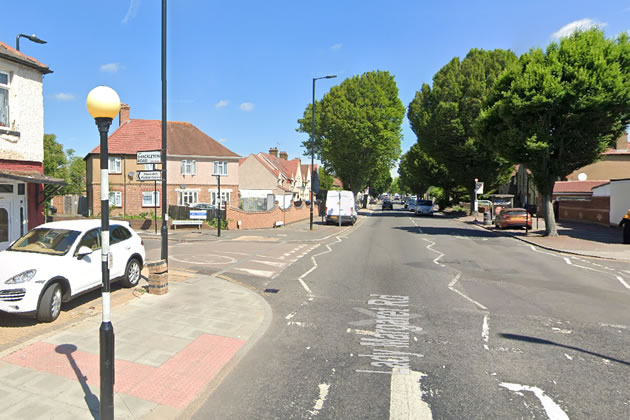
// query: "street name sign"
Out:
[149,175]
[154,156]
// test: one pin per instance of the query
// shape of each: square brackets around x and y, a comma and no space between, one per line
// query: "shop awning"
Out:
[32,177]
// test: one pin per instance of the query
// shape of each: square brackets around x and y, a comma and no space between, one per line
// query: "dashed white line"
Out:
[553,410]
[568,261]
[485,332]
[271,263]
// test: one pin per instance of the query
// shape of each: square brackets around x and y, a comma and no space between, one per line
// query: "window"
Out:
[4,99]
[115,199]
[6,188]
[150,199]
[187,198]
[189,167]
[220,168]
[92,240]
[115,165]
[225,198]
[118,234]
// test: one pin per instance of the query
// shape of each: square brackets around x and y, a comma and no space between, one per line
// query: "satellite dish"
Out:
[582,176]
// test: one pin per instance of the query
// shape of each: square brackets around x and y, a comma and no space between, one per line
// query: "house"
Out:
[614,163]
[22,178]
[192,159]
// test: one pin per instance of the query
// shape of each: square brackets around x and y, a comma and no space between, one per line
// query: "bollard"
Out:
[487,219]
[158,277]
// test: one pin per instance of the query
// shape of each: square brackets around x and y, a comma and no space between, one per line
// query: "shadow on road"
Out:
[450,231]
[536,340]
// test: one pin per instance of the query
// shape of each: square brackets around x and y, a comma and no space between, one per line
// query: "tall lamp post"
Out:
[103,104]
[313,139]
[33,38]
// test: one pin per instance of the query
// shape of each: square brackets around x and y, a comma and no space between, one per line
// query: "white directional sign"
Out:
[154,156]
[149,175]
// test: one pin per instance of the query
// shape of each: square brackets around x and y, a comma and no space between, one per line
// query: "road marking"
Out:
[451,286]
[301,324]
[305,286]
[405,401]
[553,410]
[271,263]
[568,261]
[437,252]
[183,260]
[258,273]
[568,357]
[485,332]
[361,332]
[626,285]
[314,267]
[319,403]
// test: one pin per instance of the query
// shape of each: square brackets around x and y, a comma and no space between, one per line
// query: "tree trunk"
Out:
[550,220]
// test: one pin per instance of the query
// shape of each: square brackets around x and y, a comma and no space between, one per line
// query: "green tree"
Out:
[358,126]
[76,173]
[394,188]
[55,160]
[444,118]
[325,179]
[559,109]
[418,171]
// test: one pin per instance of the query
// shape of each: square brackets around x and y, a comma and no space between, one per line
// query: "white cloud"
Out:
[336,47]
[222,103]
[248,106]
[222,140]
[582,24]
[134,5]
[110,67]
[61,96]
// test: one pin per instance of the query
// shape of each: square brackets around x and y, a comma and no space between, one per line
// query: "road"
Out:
[404,317]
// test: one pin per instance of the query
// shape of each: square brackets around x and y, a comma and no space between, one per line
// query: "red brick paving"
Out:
[176,383]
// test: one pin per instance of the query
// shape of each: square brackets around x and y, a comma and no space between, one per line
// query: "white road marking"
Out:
[301,324]
[568,357]
[451,286]
[361,332]
[406,396]
[291,315]
[485,331]
[319,404]
[623,327]
[621,280]
[314,267]
[437,252]
[271,263]
[259,273]
[561,330]
[553,410]
[182,259]
[568,261]
[305,286]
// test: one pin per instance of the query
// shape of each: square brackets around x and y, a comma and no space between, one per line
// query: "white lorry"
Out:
[340,207]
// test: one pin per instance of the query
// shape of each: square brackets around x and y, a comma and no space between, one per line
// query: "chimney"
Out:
[273,151]
[123,116]
[622,142]
[284,155]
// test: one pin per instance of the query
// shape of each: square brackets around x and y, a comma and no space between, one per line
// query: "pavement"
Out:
[171,350]
[585,239]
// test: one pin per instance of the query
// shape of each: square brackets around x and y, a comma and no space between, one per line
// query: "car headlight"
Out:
[22,277]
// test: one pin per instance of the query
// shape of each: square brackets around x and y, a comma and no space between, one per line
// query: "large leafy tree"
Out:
[358,126]
[418,171]
[559,109]
[55,159]
[444,118]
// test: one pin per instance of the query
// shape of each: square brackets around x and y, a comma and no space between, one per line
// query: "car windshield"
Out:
[425,203]
[46,241]
[515,213]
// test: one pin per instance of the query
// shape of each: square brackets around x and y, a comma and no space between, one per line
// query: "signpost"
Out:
[478,190]
[151,157]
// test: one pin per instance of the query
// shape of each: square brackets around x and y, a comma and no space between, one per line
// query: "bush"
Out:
[213,223]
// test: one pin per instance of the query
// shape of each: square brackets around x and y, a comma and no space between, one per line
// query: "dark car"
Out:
[387,204]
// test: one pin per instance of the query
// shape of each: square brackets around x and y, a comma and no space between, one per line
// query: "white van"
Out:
[340,204]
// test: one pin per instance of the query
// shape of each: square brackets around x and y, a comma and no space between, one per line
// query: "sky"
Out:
[241,71]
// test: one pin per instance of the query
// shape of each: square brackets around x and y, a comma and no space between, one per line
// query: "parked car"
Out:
[59,261]
[424,207]
[411,204]
[340,205]
[512,218]
[388,205]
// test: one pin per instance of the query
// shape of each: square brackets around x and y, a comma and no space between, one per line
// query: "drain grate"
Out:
[272,290]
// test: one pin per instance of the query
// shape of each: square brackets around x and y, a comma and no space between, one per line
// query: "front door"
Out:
[8,224]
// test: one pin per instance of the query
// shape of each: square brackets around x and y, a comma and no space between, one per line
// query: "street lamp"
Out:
[103,104]
[29,37]
[313,139]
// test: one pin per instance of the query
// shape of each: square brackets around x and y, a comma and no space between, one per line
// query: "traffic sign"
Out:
[149,175]
[154,156]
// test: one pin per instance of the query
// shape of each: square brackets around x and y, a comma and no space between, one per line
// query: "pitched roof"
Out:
[305,169]
[576,187]
[11,54]
[183,139]
[614,151]
[288,168]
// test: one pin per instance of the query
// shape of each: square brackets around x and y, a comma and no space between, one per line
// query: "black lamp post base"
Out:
[106,340]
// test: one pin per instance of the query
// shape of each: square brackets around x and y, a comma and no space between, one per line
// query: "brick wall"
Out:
[594,210]
[265,219]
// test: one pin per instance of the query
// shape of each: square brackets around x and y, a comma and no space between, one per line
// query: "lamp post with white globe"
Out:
[103,104]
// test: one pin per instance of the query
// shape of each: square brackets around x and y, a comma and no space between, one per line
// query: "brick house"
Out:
[22,178]
[192,157]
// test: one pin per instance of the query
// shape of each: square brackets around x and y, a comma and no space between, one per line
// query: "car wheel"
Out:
[50,304]
[132,273]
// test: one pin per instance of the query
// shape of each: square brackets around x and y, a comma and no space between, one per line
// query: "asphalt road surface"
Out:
[403,317]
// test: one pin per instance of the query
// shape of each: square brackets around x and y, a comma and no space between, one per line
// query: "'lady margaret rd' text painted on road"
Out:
[391,334]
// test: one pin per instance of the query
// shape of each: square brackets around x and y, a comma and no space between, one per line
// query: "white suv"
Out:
[58,261]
